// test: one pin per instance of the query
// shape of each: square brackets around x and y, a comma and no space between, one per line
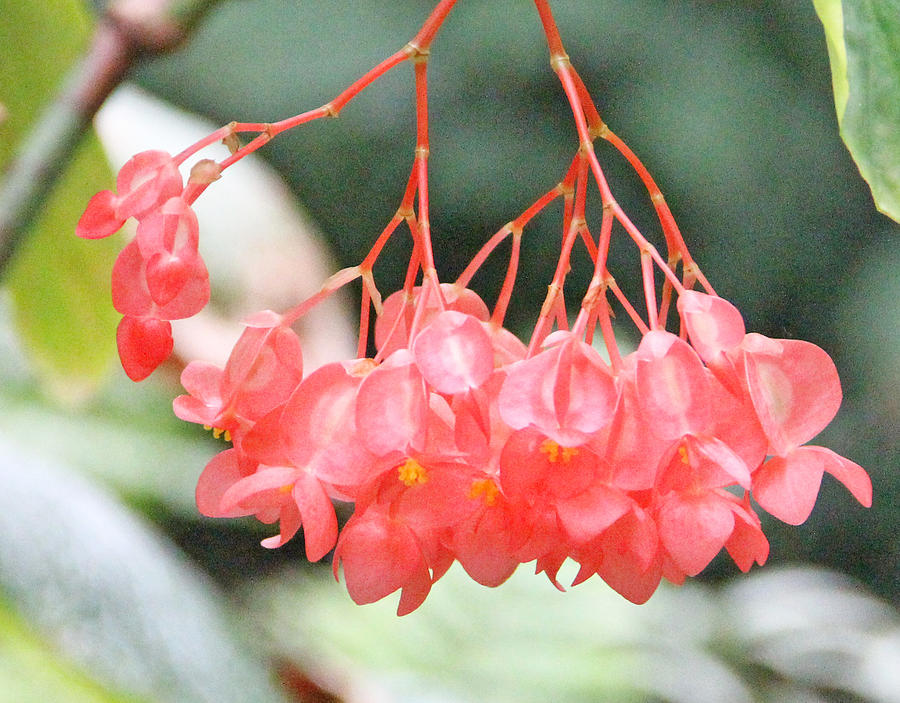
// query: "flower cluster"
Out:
[460,446]
[453,439]
[159,276]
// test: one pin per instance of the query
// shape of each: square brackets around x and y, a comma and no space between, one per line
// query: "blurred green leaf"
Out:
[785,635]
[59,284]
[32,672]
[135,428]
[113,596]
[866,52]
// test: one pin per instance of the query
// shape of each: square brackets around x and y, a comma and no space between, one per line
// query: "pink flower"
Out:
[566,392]
[263,370]
[145,182]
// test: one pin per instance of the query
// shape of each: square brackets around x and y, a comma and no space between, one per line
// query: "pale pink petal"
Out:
[392,407]
[796,392]
[585,393]
[454,353]
[320,412]
[714,324]
[526,397]
[672,386]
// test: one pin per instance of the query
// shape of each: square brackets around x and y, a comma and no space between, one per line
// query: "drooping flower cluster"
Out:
[159,276]
[460,446]
[456,441]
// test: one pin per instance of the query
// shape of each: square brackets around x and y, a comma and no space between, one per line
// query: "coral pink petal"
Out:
[694,528]
[714,324]
[672,386]
[415,590]
[192,297]
[144,343]
[203,380]
[392,408]
[99,218]
[526,397]
[701,461]
[481,545]
[320,528]
[288,524]
[787,487]
[522,466]
[629,562]
[269,485]
[585,394]
[166,275]
[172,228]
[220,474]
[454,353]
[747,544]
[586,515]
[262,443]
[852,475]
[146,181]
[129,293]
[795,392]
[378,556]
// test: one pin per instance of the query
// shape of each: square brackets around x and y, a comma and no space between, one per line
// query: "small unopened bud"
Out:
[232,141]
[205,172]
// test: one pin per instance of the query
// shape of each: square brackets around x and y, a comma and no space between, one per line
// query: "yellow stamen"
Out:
[484,488]
[411,472]
[287,488]
[555,453]
[218,432]
[683,453]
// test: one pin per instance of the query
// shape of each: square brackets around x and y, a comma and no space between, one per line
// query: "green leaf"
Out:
[113,596]
[58,284]
[32,672]
[864,47]
[832,16]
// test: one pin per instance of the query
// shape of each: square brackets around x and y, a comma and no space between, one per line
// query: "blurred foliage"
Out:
[789,635]
[31,672]
[61,312]
[864,49]
[112,595]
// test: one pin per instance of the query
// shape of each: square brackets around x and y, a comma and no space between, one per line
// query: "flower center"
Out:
[555,453]
[218,432]
[411,472]
[484,488]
